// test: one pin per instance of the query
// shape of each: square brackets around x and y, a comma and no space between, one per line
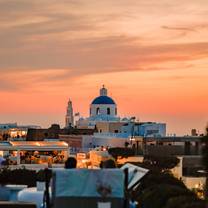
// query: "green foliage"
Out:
[194,204]
[163,190]
[160,189]
[121,151]
[41,175]
[158,195]
[157,178]
[205,160]
[18,176]
[204,141]
[184,201]
[162,163]
[22,176]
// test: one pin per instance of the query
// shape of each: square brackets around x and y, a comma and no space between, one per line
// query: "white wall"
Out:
[103,109]
[194,182]
[111,142]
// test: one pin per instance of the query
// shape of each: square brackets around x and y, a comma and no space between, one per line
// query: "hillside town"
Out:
[94,143]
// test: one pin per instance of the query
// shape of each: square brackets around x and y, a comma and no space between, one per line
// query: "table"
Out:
[31,195]
[14,190]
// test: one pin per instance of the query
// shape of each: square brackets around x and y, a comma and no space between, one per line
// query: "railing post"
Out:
[47,181]
[126,194]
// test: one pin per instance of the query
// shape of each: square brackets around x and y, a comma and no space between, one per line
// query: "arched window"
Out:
[108,111]
[115,111]
[98,111]
[90,111]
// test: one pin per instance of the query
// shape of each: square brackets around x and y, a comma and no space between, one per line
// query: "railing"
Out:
[112,135]
[35,166]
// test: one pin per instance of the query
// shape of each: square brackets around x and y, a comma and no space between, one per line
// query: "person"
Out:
[110,163]
[71,162]
[132,203]
[2,162]
[101,164]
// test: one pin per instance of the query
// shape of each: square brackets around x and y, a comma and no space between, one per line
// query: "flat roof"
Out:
[5,144]
[174,139]
[33,145]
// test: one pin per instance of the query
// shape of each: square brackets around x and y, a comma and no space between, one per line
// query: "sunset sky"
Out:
[151,55]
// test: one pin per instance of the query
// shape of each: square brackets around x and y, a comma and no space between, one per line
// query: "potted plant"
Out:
[41,179]
[104,190]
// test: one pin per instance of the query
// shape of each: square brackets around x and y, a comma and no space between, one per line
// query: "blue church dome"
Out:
[103,100]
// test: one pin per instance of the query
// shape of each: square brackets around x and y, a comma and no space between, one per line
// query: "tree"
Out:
[187,201]
[5,136]
[205,161]
[18,176]
[155,178]
[126,144]
[120,151]
[162,163]
[158,195]
[163,190]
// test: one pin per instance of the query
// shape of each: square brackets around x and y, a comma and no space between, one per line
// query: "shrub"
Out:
[121,151]
[18,176]
[42,174]
[158,195]
[163,163]
[184,201]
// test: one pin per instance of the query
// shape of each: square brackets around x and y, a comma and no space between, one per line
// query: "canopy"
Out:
[89,183]
[135,174]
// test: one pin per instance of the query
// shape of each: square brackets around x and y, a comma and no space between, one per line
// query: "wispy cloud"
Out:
[154,51]
[75,36]
[179,28]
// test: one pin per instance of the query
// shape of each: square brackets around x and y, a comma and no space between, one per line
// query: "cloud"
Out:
[58,40]
[109,54]
[8,86]
[179,28]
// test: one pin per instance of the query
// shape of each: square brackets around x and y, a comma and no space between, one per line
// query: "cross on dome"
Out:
[103,91]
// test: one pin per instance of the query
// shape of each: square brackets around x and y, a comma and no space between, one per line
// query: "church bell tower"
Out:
[69,119]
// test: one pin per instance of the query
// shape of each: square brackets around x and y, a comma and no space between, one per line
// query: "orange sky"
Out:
[152,56]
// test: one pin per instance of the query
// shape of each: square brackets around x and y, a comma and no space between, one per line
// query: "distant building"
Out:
[54,131]
[194,132]
[103,108]
[144,129]
[103,115]
[109,127]
[14,131]
[8,125]
[152,129]
[69,120]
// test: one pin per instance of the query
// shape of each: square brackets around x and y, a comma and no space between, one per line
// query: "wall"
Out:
[109,127]
[103,109]
[194,182]
[152,129]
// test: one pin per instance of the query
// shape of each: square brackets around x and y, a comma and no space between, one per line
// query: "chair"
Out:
[81,188]
[135,175]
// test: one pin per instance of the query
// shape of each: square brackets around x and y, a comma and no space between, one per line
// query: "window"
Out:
[108,111]
[115,111]
[98,111]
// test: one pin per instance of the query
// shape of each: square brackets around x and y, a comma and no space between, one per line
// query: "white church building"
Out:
[103,108]
[103,115]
